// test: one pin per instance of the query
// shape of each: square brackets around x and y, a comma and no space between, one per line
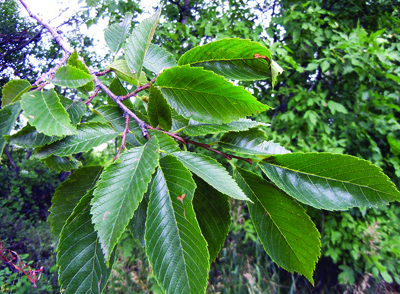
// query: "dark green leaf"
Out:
[75,109]
[206,97]
[46,113]
[82,268]
[62,163]
[69,193]
[176,249]
[89,135]
[235,59]
[212,172]
[30,138]
[119,192]
[8,116]
[286,231]
[330,181]
[71,77]
[137,225]
[166,142]
[157,59]
[158,109]
[13,90]
[213,214]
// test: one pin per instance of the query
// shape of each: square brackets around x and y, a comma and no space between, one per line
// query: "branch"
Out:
[139,89]
[123,136]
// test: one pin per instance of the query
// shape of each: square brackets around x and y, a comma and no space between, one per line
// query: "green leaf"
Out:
[75,109]
[138,43]
[62,163]
[213,214]
[71,77]
[157,59]
[74,61]
[46,113]
[166,142]
[158,109]
[89,135]
[137,225]
[69,193]
[176,249]
[81,264]
[394,144]
[13,90]
[276,70]
[205,96]
[232,58]
[114,115]
[285,230]
[119,192]
[330,181]
[251,142]
[8,116]
[121,69]
[30,138]
[116,33]
[336,107]
[212,172]
[199,129]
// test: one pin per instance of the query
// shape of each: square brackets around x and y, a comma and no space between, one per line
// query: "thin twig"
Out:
[123,136]
[91,97]
[102,73]
[139,89]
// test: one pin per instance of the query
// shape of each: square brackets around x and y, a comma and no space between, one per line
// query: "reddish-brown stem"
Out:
[102,73]
[123,136]
[139,89]
[91,97]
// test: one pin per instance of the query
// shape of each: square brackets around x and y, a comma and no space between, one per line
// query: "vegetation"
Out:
[183,143]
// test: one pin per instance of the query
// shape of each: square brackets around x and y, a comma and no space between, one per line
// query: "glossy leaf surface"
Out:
[212,172]
[206,97]
[330,181]
[232,58]
[119,192]
[286,231]
[13,90]
[46,113]
[176,249]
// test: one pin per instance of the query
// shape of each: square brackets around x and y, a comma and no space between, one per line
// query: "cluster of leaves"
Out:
[174,200]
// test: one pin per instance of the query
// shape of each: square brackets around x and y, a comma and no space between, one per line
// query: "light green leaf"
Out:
[213,214]
[199,129]
[330,181]
[114,115]
[176,249]
[119,192]
[116,33]
[138,43]
[8,116]
[276,70]
[13,90]
[212,172]
[74,61]
[46,113]
[336,107]
[325,65]
[75,109]
[69,193]
[62,163]
[394,144]
[82,268]
[89,135]
[166,142]
[285,230]
[158,109]
[157,59]
[236,59]
[251,142]
[30,138]
[206,97]
[71,77]
[121,69]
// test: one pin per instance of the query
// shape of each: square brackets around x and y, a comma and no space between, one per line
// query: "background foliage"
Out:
[339,93]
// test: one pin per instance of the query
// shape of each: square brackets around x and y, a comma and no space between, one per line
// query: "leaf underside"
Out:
[71,77]
[13,90]
[157,59]
[8,116]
